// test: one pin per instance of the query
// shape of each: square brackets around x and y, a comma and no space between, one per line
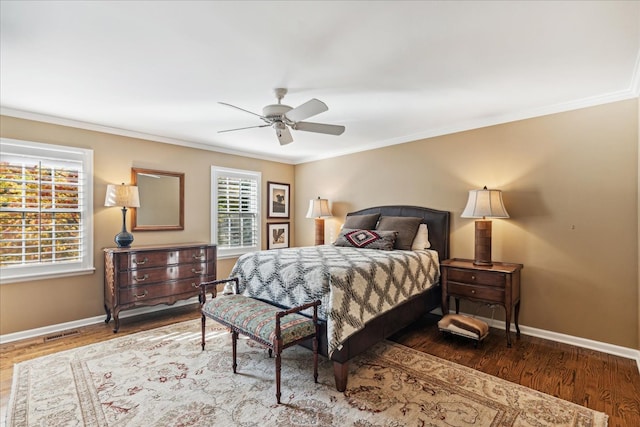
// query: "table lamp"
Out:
[319,209]
[125,196]
[484,204]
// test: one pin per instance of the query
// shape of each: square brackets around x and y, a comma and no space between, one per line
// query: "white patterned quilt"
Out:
[354,285]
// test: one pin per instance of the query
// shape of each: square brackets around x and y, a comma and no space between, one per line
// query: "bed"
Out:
[367,294]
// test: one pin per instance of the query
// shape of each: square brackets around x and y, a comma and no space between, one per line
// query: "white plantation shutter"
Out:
[235,210]
[46,208]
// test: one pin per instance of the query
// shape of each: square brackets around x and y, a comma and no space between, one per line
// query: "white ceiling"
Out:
[390,71]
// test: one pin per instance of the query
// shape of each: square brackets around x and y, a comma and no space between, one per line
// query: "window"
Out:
[235,211]
[46,208]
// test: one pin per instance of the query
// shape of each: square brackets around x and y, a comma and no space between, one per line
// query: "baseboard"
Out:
[48,330]
[616,350]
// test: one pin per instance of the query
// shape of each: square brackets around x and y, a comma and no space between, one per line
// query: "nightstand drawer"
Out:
[486,293]
[476,277]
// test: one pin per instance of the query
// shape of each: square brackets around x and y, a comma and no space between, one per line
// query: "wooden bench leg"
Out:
[203,321]
[278,369]
[234,346]
[315,358]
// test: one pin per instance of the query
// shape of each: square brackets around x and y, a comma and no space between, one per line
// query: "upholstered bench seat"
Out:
[257,319]
[271,326]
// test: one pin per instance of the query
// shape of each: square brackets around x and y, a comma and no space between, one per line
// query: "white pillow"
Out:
[421,241]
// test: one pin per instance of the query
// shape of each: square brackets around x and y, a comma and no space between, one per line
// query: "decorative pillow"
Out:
[361,222]
[368,239]
[406,226]
[421,241]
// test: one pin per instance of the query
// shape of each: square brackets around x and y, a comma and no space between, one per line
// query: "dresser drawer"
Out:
[144,293]
[486,293]
[137,260]
[143,276]
[476,277]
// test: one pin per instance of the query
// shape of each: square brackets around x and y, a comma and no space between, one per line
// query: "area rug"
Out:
[163,378]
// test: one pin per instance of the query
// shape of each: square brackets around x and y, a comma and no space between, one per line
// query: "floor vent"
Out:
[61,335]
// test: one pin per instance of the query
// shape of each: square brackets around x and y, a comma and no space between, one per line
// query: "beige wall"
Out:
[570,184]
[29,305]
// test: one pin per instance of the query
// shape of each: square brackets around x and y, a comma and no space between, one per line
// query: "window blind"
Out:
[237,211]
[44,205]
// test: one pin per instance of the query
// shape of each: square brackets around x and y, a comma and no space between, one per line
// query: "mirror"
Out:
[161,200]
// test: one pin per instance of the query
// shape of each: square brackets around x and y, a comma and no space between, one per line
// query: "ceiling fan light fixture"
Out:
[281,117]
[275,110]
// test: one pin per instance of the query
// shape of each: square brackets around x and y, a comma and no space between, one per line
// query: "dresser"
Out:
[152,275]
[494,284]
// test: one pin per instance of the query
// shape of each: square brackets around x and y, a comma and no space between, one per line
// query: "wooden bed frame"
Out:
[406,313]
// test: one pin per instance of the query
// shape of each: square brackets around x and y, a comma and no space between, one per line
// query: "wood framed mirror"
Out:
[161,200]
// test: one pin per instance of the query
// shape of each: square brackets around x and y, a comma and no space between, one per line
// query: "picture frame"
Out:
[277,235]
[278,200]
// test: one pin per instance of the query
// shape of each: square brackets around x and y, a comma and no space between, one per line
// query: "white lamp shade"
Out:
[485,204]
[319,208]
[122,195]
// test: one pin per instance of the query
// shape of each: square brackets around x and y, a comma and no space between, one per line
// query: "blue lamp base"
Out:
[124,239]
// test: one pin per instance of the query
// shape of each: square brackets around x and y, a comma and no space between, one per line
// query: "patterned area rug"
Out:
[162,378]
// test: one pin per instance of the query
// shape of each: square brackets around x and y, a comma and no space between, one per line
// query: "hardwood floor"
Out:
[596,380]
[599,381]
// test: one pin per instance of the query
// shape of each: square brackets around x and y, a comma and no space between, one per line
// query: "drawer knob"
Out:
[144,261]
[141,279]
[142,295]
[473,291]
[473,277]
[193,270]
[201,256]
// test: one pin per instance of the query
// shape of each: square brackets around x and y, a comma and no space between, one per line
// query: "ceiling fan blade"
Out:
[306,110]
[248,127]
[319,128]
[284,135]
[241,109]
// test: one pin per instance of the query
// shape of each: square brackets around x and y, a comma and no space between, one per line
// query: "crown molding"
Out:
[593,101]
[632,92]
[27,115]
[635,78]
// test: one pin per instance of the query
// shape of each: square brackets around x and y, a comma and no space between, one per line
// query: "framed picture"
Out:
[277,235]
[278,200]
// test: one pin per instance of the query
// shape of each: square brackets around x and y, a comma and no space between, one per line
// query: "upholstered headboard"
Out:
[437,223]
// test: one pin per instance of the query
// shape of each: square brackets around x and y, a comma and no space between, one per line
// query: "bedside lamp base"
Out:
[319,231]
[483,243]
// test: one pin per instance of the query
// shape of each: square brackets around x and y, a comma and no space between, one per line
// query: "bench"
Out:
[269,325]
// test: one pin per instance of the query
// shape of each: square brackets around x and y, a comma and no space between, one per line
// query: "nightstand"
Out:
[495,284]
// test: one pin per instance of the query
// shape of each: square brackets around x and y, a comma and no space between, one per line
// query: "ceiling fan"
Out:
[281,117]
